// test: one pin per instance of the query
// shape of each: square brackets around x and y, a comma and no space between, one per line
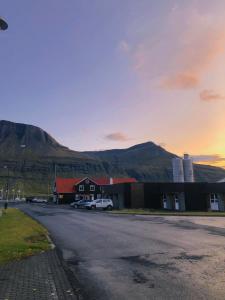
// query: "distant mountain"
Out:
[32,157]
[149,161]
[20,139]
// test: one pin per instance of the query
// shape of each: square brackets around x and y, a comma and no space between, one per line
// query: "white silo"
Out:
[188,168]
[178,170]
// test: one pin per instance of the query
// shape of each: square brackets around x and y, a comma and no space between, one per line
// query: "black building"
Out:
[171,196]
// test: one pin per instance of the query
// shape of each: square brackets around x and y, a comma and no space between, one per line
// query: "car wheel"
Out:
[92,207]
[109,207]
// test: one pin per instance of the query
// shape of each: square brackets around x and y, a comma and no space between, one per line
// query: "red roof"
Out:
[67,185]
[123,180]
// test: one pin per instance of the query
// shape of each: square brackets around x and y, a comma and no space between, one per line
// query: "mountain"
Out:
[20,139]
[150,162]
[32,157]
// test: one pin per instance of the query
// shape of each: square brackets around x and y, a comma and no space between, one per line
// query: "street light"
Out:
[3,24]
[7,186]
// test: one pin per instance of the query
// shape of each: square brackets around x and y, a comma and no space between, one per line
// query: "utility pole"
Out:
[55,172]
[55,176]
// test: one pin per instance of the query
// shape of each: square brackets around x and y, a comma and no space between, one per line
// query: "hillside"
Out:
[32,156]
[149,161]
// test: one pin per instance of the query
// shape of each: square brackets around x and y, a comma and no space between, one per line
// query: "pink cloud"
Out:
[196,58]
[181,81]
[183,52]
[210,95]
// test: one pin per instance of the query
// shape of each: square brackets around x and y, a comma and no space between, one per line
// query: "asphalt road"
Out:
[138,257]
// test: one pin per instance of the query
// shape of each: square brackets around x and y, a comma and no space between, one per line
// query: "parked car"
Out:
[78,204]
[90,204]
[82,203]
[39,200]
[74,204]
[100,203]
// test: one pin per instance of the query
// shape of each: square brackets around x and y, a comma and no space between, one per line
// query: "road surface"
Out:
[138,257]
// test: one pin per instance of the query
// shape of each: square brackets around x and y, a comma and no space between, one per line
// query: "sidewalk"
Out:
[40,277]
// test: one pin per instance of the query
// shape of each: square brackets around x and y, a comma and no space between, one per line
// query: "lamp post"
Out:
[23,157]
[3,24]
[7,184]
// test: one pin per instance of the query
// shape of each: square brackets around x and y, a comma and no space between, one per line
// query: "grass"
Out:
[168,213]
[20,236]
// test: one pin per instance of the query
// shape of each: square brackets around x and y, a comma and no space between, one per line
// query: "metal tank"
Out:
[188,168]
[178,171]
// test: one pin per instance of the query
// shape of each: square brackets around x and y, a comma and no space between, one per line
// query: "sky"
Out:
[102,74]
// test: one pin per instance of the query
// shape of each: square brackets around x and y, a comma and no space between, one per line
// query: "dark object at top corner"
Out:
[3,24]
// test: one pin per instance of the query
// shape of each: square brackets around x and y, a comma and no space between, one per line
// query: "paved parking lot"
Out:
[139,257]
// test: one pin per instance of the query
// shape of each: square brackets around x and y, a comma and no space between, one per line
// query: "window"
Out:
[214,198]
[92,188]
[81,188]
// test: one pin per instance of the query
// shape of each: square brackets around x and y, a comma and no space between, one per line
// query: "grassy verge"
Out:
[168,213]
[20,236]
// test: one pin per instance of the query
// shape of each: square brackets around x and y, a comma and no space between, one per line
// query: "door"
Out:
[214,202]
[164,204]
[177,204]
[164,201]
[99,204]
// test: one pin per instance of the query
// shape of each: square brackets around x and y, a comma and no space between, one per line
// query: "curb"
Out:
[73,280]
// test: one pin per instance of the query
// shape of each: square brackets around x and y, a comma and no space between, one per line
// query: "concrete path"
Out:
[138,257]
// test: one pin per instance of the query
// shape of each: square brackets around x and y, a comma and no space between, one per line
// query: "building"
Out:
[183,196]
[67,190]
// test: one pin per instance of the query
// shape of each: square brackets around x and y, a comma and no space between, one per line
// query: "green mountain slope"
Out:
[32,156]
[149,161]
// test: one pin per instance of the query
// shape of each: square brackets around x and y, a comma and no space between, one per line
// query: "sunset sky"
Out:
[100,74]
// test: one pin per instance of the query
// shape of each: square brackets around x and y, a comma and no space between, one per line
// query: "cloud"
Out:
[204,44]
[181,81]
[183,50]
[214,158]
[117,137]
[124,46]
[210,95]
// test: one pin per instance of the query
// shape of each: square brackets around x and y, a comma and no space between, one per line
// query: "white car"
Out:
[100,203]
[39,200]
